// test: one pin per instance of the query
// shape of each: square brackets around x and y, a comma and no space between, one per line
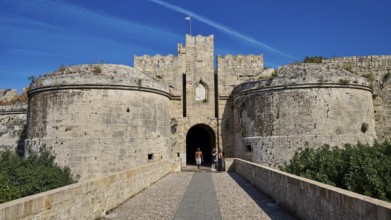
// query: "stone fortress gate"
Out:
[104,118]
[200,93]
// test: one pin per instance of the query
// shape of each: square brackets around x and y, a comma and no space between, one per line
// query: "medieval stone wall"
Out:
[234,70]
[99,122]
[13,119]
[111,117]
[307,104]
[378,71]
[167,69]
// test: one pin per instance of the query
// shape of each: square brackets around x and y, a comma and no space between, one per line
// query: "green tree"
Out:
[359,168]
[21,177]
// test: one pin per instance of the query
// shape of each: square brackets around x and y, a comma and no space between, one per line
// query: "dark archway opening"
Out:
[203,137]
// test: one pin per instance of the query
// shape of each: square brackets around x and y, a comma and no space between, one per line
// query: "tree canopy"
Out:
[20,177]
[360,168]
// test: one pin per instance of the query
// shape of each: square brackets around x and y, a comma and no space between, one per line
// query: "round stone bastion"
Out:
[99,119]
[305,105]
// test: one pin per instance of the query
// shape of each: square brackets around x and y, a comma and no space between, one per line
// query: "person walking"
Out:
[220,157]
[199,158]
[214,159]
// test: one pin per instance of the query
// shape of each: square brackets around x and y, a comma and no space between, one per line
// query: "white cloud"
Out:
[63,11]
[221,27]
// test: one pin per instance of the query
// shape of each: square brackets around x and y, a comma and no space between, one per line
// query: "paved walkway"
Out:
[199,201]
[200,195]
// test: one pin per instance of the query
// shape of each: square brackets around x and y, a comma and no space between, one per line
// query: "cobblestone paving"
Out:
[238,199]
[159,201]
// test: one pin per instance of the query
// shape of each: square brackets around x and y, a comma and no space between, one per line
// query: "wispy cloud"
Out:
[221,27]
[64,11]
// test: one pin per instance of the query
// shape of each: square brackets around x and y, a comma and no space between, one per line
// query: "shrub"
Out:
[97,70]
[361,168]
[62,68]
[21,177]
[315,59]
[386,77]
[370,77]
[275,74]
[344,81]
[364,127]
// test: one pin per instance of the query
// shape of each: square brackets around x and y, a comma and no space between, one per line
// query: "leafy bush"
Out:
[97,70]
[344,81]
[361,168]
[386,77]
[315,59]
[364,127]
[21,177]
[370,77]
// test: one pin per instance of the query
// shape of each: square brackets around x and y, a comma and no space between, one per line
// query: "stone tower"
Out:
[200,93]
[191,79]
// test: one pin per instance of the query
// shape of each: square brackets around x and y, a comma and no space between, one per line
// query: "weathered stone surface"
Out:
[100,124]
[377,69]
[309,199]
[306,105]
[7,95]
[13,119]
[123,116]
[85,200]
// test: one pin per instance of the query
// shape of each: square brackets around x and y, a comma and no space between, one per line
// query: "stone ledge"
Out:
[309,199]
[85,200]
[240,91]
[112,87]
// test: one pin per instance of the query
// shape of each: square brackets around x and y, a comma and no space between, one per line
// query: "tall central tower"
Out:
[201,116]
[198,76]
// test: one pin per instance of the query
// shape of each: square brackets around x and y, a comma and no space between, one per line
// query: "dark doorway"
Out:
[203,137]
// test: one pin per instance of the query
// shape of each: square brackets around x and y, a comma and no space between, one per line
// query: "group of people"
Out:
[217,160]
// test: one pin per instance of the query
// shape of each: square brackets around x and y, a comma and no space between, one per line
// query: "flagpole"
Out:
[188,18]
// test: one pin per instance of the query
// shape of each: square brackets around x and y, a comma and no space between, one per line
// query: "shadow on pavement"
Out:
[268,205]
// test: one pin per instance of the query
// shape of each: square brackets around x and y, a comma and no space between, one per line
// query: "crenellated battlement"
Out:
[374,58]
[249,62]
[234,70]
[154,62]
[200,41]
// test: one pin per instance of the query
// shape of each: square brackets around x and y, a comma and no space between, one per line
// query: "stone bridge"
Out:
[154,191]
[204,195]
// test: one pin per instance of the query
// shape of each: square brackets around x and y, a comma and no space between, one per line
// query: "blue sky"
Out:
[38,36]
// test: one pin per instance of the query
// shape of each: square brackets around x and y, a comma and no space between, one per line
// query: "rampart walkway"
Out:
[203,195]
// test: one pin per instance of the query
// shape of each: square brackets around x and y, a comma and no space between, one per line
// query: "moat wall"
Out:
[99,123]
[306,105]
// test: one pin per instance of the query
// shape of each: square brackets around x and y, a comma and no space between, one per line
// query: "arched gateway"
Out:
[200,136]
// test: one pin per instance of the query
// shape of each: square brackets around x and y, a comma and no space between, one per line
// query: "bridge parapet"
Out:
[86,200]
[309,199]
